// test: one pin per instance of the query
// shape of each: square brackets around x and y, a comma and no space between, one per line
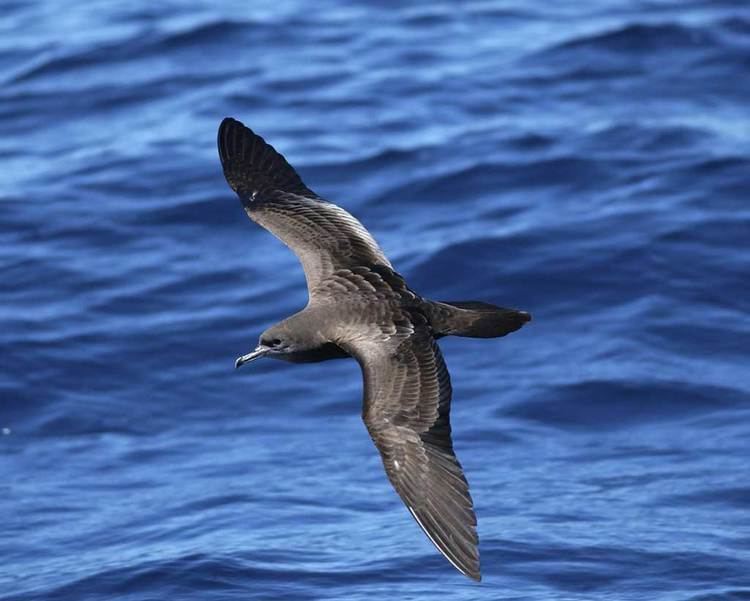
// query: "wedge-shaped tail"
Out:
[474,319]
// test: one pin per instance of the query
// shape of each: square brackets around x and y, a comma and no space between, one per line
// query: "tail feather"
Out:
[474,319]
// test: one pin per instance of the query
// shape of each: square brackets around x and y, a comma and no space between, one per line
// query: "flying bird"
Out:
[360,307]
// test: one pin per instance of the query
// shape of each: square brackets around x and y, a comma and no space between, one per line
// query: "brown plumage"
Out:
[360,307]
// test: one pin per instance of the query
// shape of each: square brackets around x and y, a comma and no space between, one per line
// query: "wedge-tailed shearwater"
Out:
[360,307]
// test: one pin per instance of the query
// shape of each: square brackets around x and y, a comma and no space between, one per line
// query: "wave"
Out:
[612,405]
[641,38]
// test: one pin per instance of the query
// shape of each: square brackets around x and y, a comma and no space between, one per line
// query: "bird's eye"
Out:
[275,342]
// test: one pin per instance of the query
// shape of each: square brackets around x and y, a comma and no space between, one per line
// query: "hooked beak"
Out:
[256,354]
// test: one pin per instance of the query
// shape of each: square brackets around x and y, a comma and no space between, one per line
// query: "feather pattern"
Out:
[406,411]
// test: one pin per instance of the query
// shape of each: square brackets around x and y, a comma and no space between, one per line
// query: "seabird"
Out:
[360,307]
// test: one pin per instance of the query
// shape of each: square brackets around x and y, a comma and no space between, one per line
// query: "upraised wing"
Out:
[406,411]
[324,236]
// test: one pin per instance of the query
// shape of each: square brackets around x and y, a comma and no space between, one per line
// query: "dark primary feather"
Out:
[324,236]
[252,166]
[406,411]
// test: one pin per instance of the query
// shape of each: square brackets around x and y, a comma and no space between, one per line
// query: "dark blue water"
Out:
[585,161]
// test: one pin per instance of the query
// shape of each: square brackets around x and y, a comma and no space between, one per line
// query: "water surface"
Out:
[585,161]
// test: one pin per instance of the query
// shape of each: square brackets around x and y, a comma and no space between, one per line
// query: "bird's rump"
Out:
[324,237]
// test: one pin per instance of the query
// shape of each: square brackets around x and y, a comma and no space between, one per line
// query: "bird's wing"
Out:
[406,410]
[324,236]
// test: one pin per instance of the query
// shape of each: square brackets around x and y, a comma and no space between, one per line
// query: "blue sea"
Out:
[586,161]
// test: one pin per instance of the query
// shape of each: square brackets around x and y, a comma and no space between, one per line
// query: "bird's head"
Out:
[277,342]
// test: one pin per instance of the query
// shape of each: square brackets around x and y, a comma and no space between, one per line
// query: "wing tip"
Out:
[251,165]
[231,135]
[468,566]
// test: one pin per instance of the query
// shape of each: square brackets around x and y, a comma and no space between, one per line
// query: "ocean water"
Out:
[586,161]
